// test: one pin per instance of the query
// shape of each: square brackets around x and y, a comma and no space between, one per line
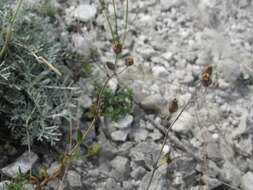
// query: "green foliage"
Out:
[92,150]
[115,105]
[34,99]
[16,185]
[249,81]
[19,183]
[47,8]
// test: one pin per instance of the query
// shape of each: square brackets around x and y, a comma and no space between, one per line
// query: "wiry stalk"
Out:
[155,166]
[9,29]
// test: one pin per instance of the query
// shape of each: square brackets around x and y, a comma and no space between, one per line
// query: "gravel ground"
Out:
[171,41]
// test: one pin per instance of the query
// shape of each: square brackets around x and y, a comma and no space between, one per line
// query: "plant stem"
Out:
[126,23]
[9,29]
[115,20]
[155,167]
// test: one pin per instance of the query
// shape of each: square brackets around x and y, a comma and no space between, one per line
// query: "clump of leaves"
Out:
[19,183]
[47,8]
[115,105]
[35,99]
[249,81]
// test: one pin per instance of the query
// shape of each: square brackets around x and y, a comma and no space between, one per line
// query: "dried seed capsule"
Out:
[206,80]
[173,105]
[129,62]
[117,48]
[110,65]
[208,69]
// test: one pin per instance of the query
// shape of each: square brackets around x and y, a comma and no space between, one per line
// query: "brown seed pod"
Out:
[173,105]
[206,80]
[208,69]
[117,48]
[129,62]
[110,65]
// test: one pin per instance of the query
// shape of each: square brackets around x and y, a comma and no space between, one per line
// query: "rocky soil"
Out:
[171,42]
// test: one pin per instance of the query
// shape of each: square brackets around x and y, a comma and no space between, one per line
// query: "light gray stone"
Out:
[127,185]
[241,127]
[121,166]
[113,84]
[81,45]
[242,3]
[245,145]
[159,182]
[138,173]
[120,135]
[230,70]
[74,179]
[139,134]
[3,184]
[247,181]
[165,4]
[85,101]
[159,71]
[231,173]
[155,135]
[143,152]
[110,183]
[184,123]
[153,103]
[85,12]
[29,187]
[125,122]
[53,167]
[25,162]
[213,151]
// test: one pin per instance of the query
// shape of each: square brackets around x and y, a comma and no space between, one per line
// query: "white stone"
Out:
[81,44]
[247,181]
[120,135]
[25,162]
[125,122]
[3,184]
[159,71]
[139,134]
[166,149]
[74,179]
[156,135]
[85,12]
[85,101]
[242,3]
[165,4]
[231,173]
[241,127]
[184,123]
[153,103]
[113,84]
[168,55]
[230,70]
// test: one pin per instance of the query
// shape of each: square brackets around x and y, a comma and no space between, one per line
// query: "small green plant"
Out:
[47,8]
[19,183]
[16,185]
[249,81]
[116,104]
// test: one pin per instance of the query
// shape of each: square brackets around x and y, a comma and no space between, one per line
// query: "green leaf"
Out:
[79,136]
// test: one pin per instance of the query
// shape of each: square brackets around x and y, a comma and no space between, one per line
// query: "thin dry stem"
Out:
[155,167]
[9,29]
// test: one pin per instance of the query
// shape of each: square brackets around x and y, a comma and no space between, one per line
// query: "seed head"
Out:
[208,69]
[206,80]
[129,62]
[173,105]
[206,75]
[117,48]
[110,65]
